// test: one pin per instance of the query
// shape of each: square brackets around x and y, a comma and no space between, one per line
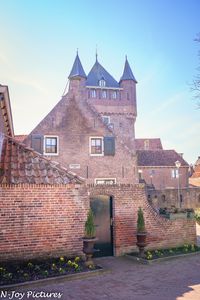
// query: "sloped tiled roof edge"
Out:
[22,164]
[159,158]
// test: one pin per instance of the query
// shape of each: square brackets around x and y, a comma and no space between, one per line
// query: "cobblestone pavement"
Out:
[175,279]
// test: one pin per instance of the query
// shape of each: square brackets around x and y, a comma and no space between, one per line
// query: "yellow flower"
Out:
[62,259]
[77,259]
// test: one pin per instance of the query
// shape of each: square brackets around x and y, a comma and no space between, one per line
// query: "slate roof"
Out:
[97,73]
[77,69]
[154,144]
[159,158]
[127,74]
[20,164]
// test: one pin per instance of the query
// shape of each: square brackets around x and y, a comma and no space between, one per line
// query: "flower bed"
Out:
[153,255]
[13,273]
[175,213]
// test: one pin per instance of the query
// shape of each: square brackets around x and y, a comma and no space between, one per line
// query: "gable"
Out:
[68,118]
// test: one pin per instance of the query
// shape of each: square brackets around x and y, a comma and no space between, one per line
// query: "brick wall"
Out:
[74,129]
[169,197]
[162,177]
[2,123]
[162,233]
[41,221]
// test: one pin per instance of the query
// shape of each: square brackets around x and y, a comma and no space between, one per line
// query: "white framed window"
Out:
[50,145]
[174,173]
[104,94]
[102,83]
[106,119]
[93,94]
[114,95]
[96,146]
[108,181]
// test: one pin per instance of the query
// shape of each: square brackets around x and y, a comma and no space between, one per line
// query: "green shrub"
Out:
[197,216]
[90,229]
[140,221]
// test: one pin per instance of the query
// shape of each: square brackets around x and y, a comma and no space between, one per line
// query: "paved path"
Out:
[176,279]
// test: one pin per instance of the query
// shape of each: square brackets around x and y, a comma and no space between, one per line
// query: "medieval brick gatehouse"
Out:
[91,129]
[88,134]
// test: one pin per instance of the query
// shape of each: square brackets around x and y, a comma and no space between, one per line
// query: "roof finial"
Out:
[96,53]
[126,57]
[77,51]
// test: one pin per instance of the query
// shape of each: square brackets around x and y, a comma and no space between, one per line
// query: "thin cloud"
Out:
[178,97]
[31,83]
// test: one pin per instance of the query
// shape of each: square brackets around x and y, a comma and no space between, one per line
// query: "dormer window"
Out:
[106,119]
[102,83]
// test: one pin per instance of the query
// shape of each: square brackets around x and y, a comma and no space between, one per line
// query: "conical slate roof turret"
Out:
[127,74]
[98,73]
[77,69]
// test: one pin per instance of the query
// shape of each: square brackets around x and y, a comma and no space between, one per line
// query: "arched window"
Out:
[114,95]
[104,94]
[93,93]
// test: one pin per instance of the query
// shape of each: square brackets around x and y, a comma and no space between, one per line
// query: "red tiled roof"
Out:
[159,158]
[20,137]
[153,144]
[196,173]
[20,164]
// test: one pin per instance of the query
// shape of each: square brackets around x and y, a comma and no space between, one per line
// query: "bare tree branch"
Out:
[195,86]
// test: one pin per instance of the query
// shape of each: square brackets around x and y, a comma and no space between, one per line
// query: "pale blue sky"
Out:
[38,45]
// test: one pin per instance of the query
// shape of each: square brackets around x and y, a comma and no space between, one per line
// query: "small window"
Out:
[114,95]
[146,145]
[104,94]
[102,83]
[96,146]
[93,94]
[106,119]
[163,198]
[50,145]
[174,173]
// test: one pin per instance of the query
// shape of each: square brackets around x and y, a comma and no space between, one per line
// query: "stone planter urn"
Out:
[89,239]
[88,250]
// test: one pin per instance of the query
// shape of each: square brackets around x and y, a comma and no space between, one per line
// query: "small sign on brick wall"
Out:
[74,166]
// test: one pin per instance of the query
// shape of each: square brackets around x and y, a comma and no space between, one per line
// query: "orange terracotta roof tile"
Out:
[20,164]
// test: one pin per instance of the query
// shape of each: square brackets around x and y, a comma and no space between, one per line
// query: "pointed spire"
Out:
[77,69]
[127,74]
[96,54]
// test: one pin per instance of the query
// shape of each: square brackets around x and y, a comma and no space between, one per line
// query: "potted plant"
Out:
[141,232]
[89,238]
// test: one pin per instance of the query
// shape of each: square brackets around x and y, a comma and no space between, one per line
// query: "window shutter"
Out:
[109,145]
[37,142]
